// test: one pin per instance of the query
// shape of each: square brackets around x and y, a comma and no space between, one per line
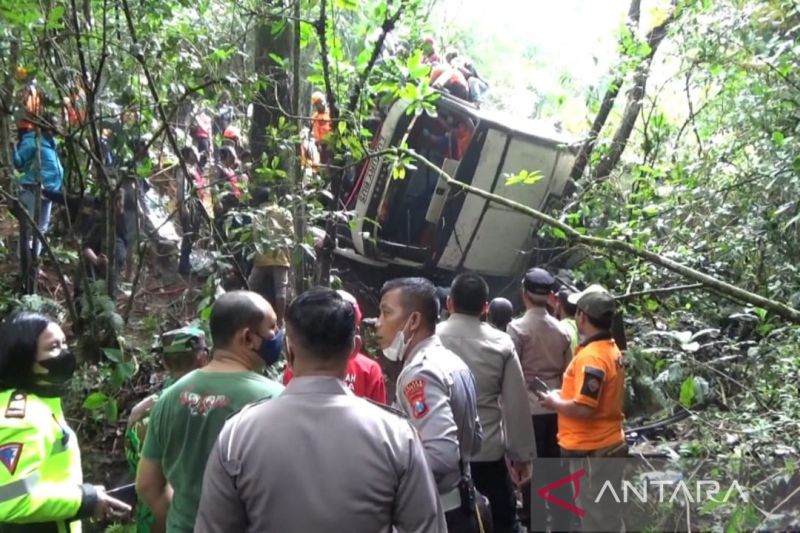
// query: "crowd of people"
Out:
[222,448]
[455,73]
[203,183]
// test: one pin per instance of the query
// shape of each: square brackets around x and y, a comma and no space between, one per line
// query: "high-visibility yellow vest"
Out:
[40,464]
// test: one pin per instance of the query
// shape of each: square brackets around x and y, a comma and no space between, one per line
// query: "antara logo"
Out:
[575,479]
[660,491]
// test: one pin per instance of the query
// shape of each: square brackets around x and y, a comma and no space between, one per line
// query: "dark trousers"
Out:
[493,481]
[190,232]
[600,469]
[545,428]
[460,521]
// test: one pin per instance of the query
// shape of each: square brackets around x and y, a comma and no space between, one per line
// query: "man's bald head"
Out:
[235,311]
[501,311]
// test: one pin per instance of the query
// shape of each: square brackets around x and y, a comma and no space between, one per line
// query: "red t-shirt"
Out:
[364,376]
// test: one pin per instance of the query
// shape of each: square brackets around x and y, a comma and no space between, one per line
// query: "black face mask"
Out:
[59,369]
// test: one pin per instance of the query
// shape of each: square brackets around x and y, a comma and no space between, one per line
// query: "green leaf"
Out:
[778,138]
[558,233]
[113,354]
[278,60]
[687,392]
[524,177]
[54,18]
[112,411]
[95,400]
[350,5]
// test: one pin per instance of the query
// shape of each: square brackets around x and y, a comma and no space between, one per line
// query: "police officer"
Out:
[41,481]
[437,391]
[502,398]
[543,345]
[318,458]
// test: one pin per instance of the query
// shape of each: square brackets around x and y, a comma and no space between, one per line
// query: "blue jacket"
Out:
[51,174]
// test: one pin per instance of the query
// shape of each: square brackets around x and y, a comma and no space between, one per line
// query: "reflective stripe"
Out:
[18,488]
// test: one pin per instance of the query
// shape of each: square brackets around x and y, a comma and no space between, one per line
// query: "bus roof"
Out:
[539,129]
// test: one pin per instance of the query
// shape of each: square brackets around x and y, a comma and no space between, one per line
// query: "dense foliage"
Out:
[706,179]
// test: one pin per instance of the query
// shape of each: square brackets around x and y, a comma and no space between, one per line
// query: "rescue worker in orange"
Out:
[30,102]
[589,407]
[320,123]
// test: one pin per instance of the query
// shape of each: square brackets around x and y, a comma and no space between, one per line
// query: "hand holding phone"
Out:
[538,386]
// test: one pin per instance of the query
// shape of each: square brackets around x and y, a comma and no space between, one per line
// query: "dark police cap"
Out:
[538,281]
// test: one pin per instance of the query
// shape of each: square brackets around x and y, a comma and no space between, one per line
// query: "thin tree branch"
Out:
[20,209]
[387,26]
[659,291]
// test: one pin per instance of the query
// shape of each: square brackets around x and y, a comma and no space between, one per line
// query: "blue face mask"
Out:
[271,349]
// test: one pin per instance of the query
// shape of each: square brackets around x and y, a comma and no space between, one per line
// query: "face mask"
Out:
[397,350]
[59,370]
[270,349]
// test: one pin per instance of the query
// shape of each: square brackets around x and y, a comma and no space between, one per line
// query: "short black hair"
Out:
[19,340]
[563,300]
[259,195]
[417,294]
[323,323]
[501,311]
[226,152]
[603,323]
[469,293]
[187,151]
[232,312]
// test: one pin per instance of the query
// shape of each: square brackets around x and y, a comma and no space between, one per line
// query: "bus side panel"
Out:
[504,237]
[470,213]
[367,203]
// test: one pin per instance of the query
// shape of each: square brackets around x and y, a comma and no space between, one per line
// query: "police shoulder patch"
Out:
[592,382]
[9,456]
[414,392]
[17,404]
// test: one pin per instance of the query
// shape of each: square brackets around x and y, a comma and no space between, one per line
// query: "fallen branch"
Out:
[724,289]
[659,291]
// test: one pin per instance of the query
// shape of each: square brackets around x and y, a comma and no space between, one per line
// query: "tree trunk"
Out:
[272,39]
[6,117]
[606,106]
[300,223]
[634,104]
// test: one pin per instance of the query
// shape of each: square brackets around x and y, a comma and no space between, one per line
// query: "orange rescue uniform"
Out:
[320,126]
[595,378]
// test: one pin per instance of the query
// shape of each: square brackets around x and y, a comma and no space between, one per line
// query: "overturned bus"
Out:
[421,224]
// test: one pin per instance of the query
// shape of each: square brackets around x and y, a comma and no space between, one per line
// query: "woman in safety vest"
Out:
[41,482]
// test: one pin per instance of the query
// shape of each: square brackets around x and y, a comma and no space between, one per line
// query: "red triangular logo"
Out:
[544,492]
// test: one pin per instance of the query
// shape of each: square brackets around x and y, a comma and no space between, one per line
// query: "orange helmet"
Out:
[231,133]
[21,73]
[317,97]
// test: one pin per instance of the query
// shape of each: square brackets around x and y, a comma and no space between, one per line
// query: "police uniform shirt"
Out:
[544,350]
[437,390]
[318,458]
[41,481]
[502,395]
